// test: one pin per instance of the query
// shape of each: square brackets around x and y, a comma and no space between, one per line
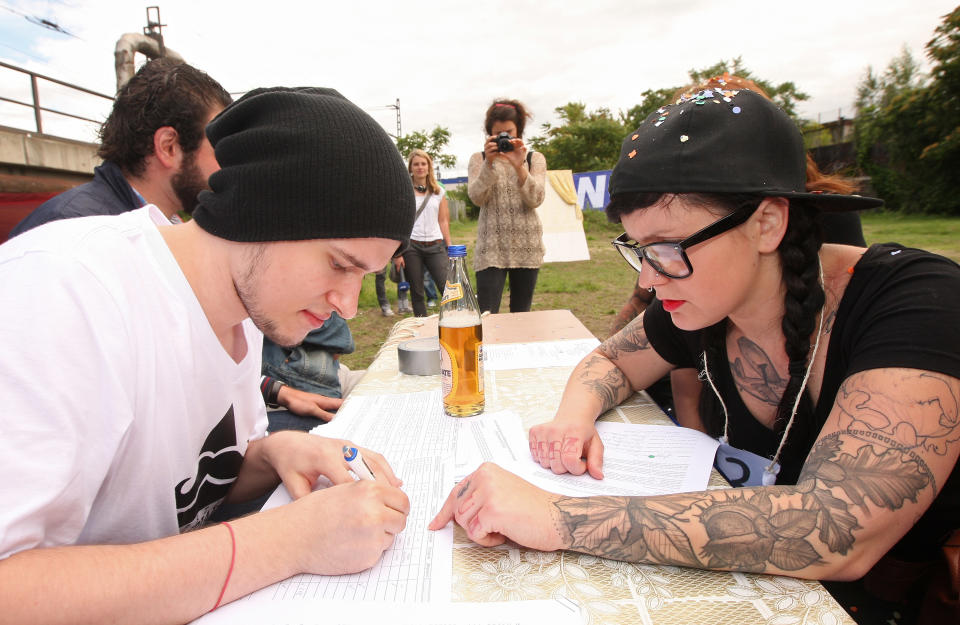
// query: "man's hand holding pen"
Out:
[347,527]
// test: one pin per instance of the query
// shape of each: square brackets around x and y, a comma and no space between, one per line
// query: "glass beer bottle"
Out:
[461,341]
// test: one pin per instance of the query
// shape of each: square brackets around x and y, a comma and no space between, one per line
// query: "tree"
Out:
[584,141]
[943,151]
[589,141]
[908,126]
[784,94]
[433,144]
[650,100]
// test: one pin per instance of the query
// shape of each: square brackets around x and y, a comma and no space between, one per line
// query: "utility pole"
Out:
[397,107]
[154,29]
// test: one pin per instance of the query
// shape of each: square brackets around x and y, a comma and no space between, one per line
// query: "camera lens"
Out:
[503,142]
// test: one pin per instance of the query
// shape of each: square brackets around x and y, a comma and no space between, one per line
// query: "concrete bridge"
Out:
[34,167]
[34,164]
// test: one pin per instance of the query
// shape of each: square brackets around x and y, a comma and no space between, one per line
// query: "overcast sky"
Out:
[445,61]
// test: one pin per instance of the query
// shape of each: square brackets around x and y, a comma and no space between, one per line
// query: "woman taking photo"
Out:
[506,182]
[431,231]
[835,367]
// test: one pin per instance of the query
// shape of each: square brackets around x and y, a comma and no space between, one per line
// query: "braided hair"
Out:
[802,301]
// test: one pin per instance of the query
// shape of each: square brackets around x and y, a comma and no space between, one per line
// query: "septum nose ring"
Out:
[655,277]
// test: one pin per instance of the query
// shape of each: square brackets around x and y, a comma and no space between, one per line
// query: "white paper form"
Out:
[316,612]
[503,356]
[418,441]
[487,438]
[637,460]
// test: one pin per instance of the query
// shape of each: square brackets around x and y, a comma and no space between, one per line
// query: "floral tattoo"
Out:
[874,461]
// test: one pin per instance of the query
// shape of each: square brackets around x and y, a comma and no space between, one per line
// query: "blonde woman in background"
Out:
[431,231]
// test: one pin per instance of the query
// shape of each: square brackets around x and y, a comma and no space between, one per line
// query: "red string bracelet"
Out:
[233,558]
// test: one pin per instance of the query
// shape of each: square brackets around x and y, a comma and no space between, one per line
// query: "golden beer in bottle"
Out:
[461,341]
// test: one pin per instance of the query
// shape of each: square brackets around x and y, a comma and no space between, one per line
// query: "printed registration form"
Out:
[637,459]
[504,356]
[418,441]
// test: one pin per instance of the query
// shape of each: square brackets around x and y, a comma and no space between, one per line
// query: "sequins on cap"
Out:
[701,98]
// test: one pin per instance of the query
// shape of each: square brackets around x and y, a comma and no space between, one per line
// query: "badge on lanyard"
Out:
[745,468]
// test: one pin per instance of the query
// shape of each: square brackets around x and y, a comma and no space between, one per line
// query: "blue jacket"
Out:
[311,366]
[107,194]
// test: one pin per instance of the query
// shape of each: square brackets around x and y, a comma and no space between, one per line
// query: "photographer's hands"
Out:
[515,157]
[490,151]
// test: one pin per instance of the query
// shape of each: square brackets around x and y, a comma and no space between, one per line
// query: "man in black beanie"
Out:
[153,417]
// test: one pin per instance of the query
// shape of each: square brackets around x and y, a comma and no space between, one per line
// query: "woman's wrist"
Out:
[522,175]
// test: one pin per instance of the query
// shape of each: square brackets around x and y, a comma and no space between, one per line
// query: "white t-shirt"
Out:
[427,226]
[123,419]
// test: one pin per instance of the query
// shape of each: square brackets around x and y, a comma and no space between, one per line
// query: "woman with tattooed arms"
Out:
[835,369]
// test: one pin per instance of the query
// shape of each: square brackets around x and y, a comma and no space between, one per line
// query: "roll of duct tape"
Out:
[419,356]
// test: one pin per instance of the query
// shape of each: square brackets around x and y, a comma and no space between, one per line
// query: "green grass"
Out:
[934,233]
[595,290]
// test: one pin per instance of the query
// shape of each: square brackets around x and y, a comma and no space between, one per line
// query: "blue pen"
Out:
[357,464]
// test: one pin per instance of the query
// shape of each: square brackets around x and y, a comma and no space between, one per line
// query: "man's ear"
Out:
[166,147]
[772,218]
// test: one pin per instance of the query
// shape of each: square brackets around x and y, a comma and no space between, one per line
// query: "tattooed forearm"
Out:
[761,530]
[632,339]
[627,528]
[604,380]
[619,323]
[894,426]
[638,302]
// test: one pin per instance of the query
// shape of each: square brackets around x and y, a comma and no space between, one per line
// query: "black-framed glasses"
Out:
[670,258]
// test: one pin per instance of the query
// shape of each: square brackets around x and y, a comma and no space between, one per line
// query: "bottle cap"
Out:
[419,356]
[457,251]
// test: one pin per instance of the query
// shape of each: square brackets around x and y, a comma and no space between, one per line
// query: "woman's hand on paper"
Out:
[494,505]
[567,446]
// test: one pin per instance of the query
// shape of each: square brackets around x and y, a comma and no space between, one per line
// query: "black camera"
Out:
[503,142]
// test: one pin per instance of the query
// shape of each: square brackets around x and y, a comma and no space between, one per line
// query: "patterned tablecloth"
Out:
[607,591]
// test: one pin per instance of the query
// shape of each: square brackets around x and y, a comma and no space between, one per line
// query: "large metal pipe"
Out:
[127,47]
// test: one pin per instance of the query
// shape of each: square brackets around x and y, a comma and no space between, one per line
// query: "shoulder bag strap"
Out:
[423,205]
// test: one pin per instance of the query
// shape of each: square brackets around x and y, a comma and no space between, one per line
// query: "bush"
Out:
[460,194]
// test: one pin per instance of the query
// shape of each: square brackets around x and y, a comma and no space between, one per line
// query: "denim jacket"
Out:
[311,366]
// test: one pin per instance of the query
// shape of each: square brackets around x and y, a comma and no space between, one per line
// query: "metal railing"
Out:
[36,106]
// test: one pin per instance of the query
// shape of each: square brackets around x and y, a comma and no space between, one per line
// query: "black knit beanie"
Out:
[304,163]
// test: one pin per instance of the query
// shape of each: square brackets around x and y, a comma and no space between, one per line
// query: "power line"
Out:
[50,25]
[23,52]
[42,22]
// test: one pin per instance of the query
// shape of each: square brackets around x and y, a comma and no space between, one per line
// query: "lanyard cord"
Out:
[771,470]
[726,418]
